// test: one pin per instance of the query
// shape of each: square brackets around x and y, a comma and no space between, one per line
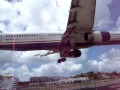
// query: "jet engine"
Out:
[97,36]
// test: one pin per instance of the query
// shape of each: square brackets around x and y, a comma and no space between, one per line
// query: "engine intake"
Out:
[97,36]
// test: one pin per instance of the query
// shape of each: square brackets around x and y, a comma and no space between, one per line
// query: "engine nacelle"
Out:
[97,36]
[71,54]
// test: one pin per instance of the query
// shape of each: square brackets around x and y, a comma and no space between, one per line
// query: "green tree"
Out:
[114,73]
[90,75]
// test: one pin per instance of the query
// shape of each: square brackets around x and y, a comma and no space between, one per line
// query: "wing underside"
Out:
[81,20]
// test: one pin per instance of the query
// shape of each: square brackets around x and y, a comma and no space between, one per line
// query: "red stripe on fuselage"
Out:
[30,42]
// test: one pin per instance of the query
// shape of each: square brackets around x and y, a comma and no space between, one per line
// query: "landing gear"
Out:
[61,60]
[69,54]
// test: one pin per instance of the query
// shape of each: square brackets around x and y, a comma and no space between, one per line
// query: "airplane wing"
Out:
[81,20]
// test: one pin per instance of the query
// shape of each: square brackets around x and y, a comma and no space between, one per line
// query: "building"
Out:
[66,81]
[24,84]
[8,82]
[40,81]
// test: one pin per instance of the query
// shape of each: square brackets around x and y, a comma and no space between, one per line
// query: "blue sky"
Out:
[51,16]
[114,8]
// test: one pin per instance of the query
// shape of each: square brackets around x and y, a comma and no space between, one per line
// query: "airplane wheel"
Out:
[62,60]
[59,61]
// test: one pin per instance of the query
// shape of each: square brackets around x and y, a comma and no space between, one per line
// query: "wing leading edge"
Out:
[81,20]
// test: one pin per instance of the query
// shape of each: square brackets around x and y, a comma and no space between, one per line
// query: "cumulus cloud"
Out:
[21,72]
[40,66]
[46,16]
[24,72]
[8,71]
[117,29]
[103,14]
[35,15]
[108,61]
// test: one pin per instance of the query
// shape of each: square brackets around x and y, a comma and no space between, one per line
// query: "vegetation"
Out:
[98,75]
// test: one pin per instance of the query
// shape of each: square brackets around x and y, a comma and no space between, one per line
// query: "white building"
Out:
[8,82]
[67,80]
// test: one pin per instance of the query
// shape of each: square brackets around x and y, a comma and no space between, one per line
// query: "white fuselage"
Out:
[28,41]
[45,41]
[25,38]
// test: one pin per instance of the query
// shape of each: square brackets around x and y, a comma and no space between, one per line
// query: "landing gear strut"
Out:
[61,60]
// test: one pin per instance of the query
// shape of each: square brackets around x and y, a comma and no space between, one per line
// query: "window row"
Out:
[32,35]
[20,35]
[54,34]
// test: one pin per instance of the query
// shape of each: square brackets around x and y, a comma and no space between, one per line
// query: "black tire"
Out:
[59,61]
[64,59]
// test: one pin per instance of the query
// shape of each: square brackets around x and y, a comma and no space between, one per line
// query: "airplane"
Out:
[79,34]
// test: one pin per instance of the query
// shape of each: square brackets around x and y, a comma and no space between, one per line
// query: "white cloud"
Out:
[108,61]
[24,72]
[47,16]
[117,28]
[43,16]
[8,71]
[43,66]
[21,72]
[102,17]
